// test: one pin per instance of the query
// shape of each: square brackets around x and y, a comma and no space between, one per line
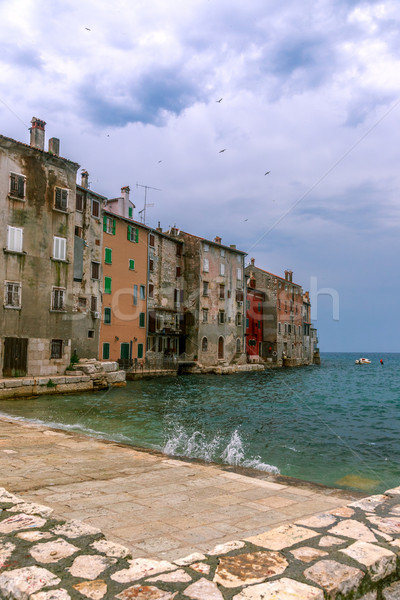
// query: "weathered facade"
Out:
[125,268]
[37,197]
[87,305]
[284,327]
[254,320]
[213,308]
[165,295]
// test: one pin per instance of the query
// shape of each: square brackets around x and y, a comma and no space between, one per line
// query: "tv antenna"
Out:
[147,205]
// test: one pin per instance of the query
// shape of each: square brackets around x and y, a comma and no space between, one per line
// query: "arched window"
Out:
[220,347]
[238,346]
[204,344]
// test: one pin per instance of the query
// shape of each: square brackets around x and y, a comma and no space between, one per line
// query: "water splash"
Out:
[231,452]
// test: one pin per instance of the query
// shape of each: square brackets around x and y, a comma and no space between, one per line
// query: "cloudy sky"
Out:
[310,91]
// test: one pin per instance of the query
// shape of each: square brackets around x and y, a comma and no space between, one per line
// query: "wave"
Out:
[196,445]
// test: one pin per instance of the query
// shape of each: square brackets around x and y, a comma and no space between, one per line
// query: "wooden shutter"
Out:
[113,226]
[104,223]
[136,235]
[108,256]
[21,186]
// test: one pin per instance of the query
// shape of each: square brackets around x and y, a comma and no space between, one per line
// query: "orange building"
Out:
[125,268]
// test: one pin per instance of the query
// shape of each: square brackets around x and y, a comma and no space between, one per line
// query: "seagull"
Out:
[159,161]
[267,173]
[87,29]
[222,150]
[246,219]
[220,100]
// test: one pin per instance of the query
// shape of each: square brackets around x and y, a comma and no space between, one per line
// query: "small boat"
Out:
[363,361]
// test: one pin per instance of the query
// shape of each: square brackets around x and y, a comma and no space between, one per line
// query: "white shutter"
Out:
[205,265]
[239,274]
[59,248]
[222,269]
[15,239]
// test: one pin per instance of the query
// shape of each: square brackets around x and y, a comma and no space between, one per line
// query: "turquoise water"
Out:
[336,424]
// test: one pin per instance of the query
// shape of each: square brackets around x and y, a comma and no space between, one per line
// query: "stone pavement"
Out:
[158,507]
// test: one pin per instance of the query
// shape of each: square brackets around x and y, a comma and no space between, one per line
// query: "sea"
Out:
[336,423]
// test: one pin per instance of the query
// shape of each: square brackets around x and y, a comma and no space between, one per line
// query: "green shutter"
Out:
[107,285]
[106,351]
[107,315]
[104,223]
[141,319]
[131,264]
[129,232]
[136,235]
[108,257]
[130,212]
[140,351]
[113,226]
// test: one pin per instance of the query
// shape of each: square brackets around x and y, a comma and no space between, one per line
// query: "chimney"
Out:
[85,179]
[252,280]
[54,146]
[288,275]
[125,202]
[159,228]
[37,133]
[233,246]
[252,261]
[217,240]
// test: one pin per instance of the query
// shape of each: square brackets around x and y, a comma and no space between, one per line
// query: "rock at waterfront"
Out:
[203,590]
[95,590]
[20,521]
[307,554]
[379,561]
[334,577]
[142,567]
[282,537]
[19,584]
[52,552]
[90,567]
[283,589]
[247,569]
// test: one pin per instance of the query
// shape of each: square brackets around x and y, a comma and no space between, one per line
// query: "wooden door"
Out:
[15,357]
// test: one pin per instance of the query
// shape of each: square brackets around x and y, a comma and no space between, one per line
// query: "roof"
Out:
[217,244]
[80,187]
[273,275]
[166,235]
[126,219]
[48,154]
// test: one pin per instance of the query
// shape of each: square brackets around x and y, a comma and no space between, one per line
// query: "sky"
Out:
[149,92]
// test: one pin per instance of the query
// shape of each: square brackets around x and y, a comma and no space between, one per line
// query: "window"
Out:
[279,327]
[221,291]
[177,298]
[205,247]
[61,200]
[222,252]
[59,248]
[221,317]
[205,265]
[12,294]
[151,240]
[79,202]
[141,319]
[17,186]
[238,346]
[95,208]
[247,304]
[239,274]
[130,212]
[107,285]
[238,258]
[95,270]
[151,290]
[109,225]
[78,231]
[247,323]
[135,294]
[142,292]
[239,318]
[179,250]
[131,264]
[90,333]
[178,271]
[239,295]
[93,303]
[204,344]
[108,256]
[221,269]
[58,299]
[56,349]
[140,351]
[82,302]
[107,315]
[106,350]
[205,315]
[15,237]
[151,264]
[133,234]
[205,288]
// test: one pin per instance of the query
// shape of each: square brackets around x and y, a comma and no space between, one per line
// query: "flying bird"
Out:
[222,150]
[267,173]
[159,161]
[246,219]
[220,100]
[87,29]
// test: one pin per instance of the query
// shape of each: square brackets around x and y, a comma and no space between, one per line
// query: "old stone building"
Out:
[284,341]
[87,305]
[165,295]
[214,294]
[124,286]
[254,320]
[37,203]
